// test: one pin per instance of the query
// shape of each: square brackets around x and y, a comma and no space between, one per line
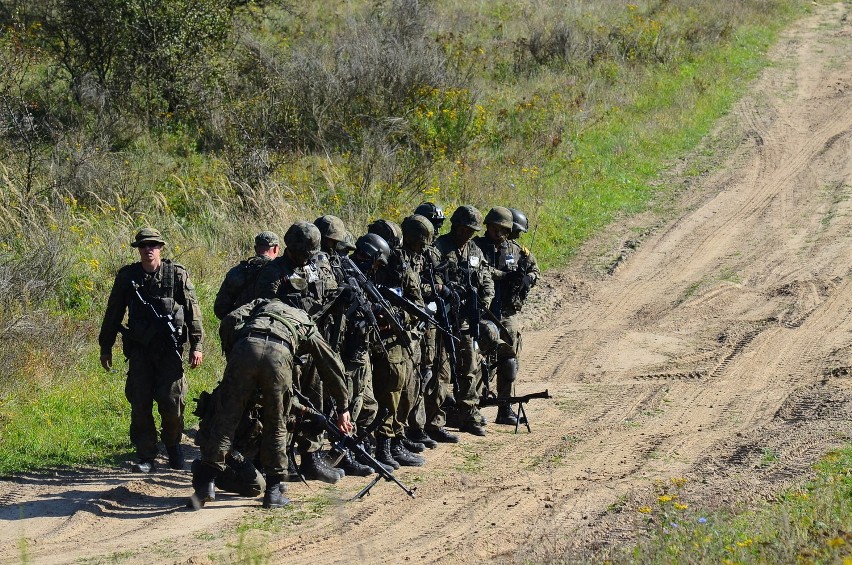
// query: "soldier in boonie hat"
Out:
[266,239]
[146,236]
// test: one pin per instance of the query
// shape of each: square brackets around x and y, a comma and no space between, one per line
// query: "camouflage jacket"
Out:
[169,290]
[305,287]
[465,266]
[294,326]
[508,262]
[239,285]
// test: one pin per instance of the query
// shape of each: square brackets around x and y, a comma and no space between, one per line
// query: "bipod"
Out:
[519,400]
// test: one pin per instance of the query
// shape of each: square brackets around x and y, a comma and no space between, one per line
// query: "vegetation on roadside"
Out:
[215,119]
[808,524]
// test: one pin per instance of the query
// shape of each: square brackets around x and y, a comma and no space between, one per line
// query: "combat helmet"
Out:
[417,229]
[500,216]
[387,230]
[467,216]
[431,212]
[521,224]
[331,227]
[489,336]
[347,244]
[374,247]
[302,237]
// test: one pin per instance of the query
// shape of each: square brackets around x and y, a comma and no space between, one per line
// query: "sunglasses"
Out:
[150,245]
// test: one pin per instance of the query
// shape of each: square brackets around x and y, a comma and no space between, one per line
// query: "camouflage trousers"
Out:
[469,374]
[155,377]
[436,392]
[254,363]
[410,400]
[360,382]
[389,373]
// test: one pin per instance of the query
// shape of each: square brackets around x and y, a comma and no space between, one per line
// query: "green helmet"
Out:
[347,244]
[416,228]
[331,227]
[387,230]
[467,216]
[500,216]
[302,237]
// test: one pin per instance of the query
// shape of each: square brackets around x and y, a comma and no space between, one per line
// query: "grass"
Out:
[808,524]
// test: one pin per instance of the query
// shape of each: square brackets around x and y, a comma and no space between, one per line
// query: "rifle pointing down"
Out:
[166,320]
[343,441]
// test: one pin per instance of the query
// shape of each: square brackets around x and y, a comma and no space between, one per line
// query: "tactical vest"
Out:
[140,320]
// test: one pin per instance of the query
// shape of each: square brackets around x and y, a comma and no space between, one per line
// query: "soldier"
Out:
[162,313]
[503,257]
[437,383]
[268,336]
[468,276]
[418,234]
[391,355]
[527,263]
[303,278]
[350,340]
[238,287]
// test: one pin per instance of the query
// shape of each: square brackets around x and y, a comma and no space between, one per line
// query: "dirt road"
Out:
[716,350]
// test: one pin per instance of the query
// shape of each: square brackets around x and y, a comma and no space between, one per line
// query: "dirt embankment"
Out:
[720,336]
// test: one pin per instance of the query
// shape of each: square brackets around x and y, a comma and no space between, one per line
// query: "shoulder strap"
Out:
[168,283]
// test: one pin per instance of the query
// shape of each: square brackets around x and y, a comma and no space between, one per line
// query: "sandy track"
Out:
[724,337]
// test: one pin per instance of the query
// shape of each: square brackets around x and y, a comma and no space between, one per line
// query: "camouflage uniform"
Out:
[262,357]
[155,367]
[466,267]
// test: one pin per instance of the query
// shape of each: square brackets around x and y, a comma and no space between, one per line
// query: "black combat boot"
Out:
[331,460]
[418,435]
[412,446]
[352,467]
[315,468]
[176,460]
[273,496]
[203,483]
[472,427]
[373,464]
[441,435]
[383,453]
[403,456]
[505,415]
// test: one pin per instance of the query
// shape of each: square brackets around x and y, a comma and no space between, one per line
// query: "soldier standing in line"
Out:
[389,355]
[347,338]
[238,288]
[468,275]
[162,313]
[266,345]
[527,263]
[437,384]
[303,278]
[504,258]
[418,233]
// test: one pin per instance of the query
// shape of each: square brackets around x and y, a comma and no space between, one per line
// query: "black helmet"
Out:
[431,212]
[374,247]
[467,216]
[416,229]
[520,221]
[387,230]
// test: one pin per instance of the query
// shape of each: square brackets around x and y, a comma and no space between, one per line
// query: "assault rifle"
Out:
[488,400]
[167,321]
[415,310]
[373,296]
[342,441]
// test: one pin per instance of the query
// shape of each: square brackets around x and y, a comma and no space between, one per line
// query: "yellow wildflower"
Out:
[645,509]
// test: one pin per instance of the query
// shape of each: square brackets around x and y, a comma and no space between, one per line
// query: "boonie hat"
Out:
[147,235]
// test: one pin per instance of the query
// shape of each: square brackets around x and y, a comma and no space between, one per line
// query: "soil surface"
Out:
[709,340]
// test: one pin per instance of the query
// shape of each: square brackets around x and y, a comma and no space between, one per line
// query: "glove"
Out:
[526,284]
[514,276]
